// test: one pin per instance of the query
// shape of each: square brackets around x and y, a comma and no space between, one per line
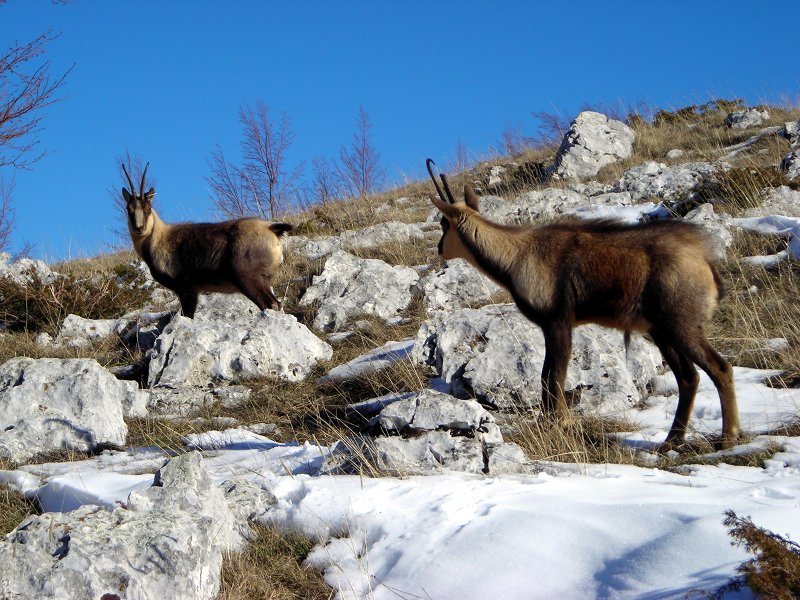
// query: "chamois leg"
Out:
[558,347]
[697,349]
[188,303]
[260,292]
[688,380]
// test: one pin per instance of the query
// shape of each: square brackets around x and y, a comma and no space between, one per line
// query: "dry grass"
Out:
[270,568]
[14,507]
[759,304]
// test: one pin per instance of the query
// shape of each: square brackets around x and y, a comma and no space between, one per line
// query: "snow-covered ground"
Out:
[569,531]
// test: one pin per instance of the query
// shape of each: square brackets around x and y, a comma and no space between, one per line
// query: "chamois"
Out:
[657,278]
[188,258]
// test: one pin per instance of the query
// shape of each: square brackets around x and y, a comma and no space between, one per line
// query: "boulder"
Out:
[201,352]
[25,270]
[790,165]
[439,433]
[592,142]
[781,200]
[370,237]
[743,119]
[657,179]
[458,285]
[185,401]
[167,542]
[352,287]
[495,355]
[718,226]
[138,330]
[48,405]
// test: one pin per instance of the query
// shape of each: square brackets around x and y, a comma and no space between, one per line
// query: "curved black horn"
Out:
[144,174]
[130,183]
[449,197]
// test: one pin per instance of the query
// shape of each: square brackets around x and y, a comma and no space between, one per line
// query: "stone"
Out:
[166,542]
[199,352]
[718,226]
[592,142]
[24,270]
[652,179]
[458,285]
[49,405]
[494,354]
[790,165]
[743,119]
[351,287]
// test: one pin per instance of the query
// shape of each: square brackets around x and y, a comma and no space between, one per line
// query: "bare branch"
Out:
[324,183]
[262,186]
[7,213]
[359,168]
[25,90]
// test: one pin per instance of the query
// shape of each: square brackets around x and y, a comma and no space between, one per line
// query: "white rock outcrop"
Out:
[167,542]
[352,287]
[742,119]
[430,432]
[25,270]
[198,352]
[495,354]
[653,179]
[458,285]
[49,404]
[592,142]
[790,164]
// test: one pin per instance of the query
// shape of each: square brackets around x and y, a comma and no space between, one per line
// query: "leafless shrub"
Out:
[263,185]
[27,88]
[359,167]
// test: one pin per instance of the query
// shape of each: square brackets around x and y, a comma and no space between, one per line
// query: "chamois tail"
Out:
[718,282]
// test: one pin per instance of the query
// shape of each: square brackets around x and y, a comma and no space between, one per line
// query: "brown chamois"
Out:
[188,258]
[658,278]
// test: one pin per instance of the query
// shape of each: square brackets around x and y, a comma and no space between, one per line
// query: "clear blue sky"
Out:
[165,79]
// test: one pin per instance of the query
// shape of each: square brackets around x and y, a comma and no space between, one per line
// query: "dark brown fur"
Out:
[657,278]
[190,258]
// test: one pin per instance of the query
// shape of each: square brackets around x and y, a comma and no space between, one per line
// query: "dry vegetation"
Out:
[759,304]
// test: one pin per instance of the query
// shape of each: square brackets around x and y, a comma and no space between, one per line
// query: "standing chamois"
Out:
[657,278]
[189,258]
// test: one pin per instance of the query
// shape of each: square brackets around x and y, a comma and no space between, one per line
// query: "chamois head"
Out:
[450,245]
[139,206]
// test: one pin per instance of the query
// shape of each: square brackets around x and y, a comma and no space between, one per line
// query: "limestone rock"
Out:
[49,404]
[458,285]
[657,179]
[495,354]
[268,344]
[166,543]
[351,287]
[743,119]
[592,142]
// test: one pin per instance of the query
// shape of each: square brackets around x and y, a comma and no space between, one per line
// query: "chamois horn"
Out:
[144,174]
[130,182]
[450,199]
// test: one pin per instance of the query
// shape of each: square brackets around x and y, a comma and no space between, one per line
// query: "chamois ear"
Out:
[448,210]
[126,195]
[280,228]
[148,197]
[471,198]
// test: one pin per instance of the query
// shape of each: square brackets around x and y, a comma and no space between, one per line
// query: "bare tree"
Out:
[7,214]
[262,186]
[512,141]
[25,89]
[462,158]
[324,182]
[552,128]
[359,168]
